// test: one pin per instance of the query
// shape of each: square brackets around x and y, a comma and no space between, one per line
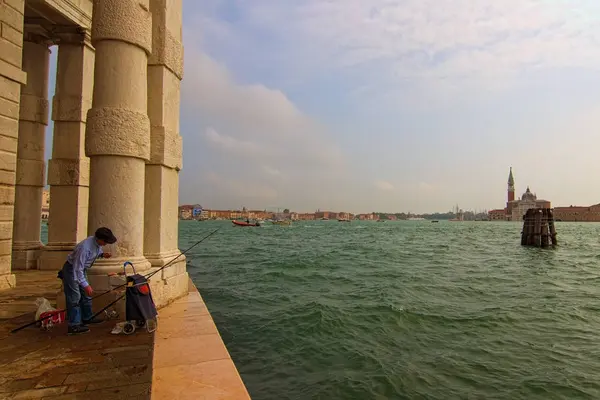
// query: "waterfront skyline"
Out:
[361,105]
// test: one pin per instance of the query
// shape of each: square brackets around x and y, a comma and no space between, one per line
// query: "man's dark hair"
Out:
[106,235]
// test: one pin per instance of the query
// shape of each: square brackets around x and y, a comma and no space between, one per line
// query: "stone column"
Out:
[11,79]
[165,71]
[68,170]
[31,168]
[118,131]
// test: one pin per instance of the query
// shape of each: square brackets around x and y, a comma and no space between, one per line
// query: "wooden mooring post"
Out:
[538,228]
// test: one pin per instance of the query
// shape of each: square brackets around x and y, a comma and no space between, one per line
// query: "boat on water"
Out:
[343,220]
[244,223]
[282,222]
[434,221]
[381,220]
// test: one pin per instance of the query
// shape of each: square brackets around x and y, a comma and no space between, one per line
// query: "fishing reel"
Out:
[112,314]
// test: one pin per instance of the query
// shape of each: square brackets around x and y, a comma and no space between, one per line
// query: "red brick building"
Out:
[577,213]
[497,215]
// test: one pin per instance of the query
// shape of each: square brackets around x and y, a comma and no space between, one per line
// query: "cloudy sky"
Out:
[389,105]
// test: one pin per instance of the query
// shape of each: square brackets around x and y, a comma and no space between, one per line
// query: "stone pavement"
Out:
[189,358]
[37,364]
[31,285]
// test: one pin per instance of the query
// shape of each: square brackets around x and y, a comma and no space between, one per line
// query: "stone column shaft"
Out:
[118,130]
[165,71]
[12,78]
[33,119]
[68,170]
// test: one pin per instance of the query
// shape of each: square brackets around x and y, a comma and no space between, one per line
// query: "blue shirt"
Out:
[82,257]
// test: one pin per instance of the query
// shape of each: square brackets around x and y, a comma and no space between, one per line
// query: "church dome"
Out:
[528,196]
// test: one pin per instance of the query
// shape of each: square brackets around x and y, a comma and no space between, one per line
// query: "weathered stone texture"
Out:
[127,21]
[30,168]
[165,70]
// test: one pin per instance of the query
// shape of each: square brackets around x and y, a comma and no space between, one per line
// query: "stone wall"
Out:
[11,79]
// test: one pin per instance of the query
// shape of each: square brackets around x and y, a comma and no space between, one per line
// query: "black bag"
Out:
[139,305]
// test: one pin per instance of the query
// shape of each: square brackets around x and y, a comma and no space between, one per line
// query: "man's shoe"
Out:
[93,321]
[78,329]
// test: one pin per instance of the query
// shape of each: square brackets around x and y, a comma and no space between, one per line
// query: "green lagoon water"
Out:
[403,310]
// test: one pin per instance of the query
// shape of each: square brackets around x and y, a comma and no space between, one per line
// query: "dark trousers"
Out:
[79,304]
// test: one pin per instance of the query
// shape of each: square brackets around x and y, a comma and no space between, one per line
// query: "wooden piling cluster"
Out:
[538,228]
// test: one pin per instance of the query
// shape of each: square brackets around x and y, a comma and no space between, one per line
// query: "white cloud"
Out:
[272,171]
[419,38]
[425,187]
[437,85]
[230,144]
[257,119]
[239,189]
[384,185]
[255,141]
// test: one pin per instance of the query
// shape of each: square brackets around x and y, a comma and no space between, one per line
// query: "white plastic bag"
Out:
[118,329]
[43,305]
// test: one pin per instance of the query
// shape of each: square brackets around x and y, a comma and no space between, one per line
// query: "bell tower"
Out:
[510,194]
[511,186]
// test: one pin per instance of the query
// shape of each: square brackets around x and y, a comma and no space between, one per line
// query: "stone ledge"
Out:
[190,359]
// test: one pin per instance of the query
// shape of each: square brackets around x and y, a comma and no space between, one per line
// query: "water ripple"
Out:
[406,310]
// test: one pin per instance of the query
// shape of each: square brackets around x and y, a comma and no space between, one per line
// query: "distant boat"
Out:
[244,223]
[435,220]
[381,220]
[281,222]
[343,220]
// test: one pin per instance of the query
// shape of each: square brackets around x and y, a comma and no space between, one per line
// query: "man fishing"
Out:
[78,292]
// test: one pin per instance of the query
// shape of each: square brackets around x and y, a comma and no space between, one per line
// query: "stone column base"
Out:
[53,258]
[8,281]
[170,284]
[26,257]
[158,260]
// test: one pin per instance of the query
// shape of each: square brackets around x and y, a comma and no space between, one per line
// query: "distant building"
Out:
[45,204]
[577,213]
[306,217]
[497,215]
[196,211]
[528,201]
[367,217]
[516,209]
[325,215]
[185,211]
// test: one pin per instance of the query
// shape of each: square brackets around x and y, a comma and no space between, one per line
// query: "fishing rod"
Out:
[120,286]
[150,275]
[108,306]
[164,266]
